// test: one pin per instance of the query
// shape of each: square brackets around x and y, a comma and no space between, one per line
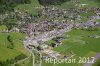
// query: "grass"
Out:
[80,44]
[69,4]
[2,27]
[30,8]
[78,41]
[6,53]
[97,63]
[97,20]
[86,15]
[27,62]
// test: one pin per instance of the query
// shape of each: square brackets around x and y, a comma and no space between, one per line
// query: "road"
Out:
[97,57]
[45,37]
[21,60]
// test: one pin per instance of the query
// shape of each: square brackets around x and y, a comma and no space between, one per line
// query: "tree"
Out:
[8,5]
[19,57]
[11,46]
[10,22]
[49,2]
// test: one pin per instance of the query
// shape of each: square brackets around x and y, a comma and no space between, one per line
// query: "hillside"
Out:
[61,28]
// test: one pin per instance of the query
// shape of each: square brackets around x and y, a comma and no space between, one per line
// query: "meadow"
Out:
[17,38]
[81,43]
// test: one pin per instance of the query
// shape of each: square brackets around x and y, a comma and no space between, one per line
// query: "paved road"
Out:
[97,57]
[45,37]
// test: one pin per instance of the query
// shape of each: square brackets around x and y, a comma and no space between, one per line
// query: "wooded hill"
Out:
[8,5]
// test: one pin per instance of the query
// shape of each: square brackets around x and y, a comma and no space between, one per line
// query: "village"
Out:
[50,24]
[50,33]
[51,28]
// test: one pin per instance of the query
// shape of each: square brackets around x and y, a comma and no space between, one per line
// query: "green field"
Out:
[70,4]
[97,63]
[80,43]
[30,8]
[80,39]
[7,53]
